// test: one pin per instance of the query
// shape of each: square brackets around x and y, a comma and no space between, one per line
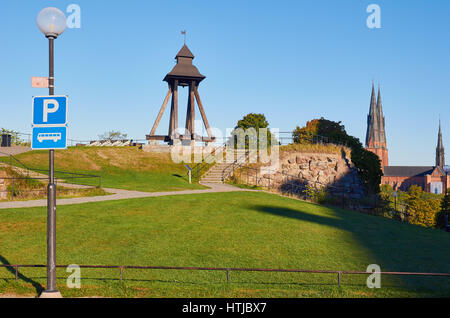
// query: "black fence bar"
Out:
[230,269]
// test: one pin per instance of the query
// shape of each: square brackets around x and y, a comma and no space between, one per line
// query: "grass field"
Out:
[120,167]
[238,229]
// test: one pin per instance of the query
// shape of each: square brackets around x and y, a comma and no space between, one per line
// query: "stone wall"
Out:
[332,171]
[3,186]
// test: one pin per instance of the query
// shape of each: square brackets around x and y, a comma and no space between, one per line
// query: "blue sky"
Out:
[291,60]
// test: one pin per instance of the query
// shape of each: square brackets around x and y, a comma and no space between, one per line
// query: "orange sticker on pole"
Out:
[39,82]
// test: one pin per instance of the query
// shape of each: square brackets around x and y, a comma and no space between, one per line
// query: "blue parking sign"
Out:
[49,124]
[49,110]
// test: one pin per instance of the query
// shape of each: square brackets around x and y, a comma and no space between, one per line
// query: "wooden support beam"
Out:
[202,111]
[192,102]
[171,113]
[175,106]
[161,112]
[188,116]
[157,137]
[173,122]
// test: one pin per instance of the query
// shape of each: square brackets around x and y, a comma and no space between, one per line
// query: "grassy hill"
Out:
[238,229]
[124,168]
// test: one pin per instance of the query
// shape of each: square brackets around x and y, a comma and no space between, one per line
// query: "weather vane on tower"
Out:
[184,33]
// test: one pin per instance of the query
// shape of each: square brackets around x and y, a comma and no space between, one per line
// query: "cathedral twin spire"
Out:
[376,133]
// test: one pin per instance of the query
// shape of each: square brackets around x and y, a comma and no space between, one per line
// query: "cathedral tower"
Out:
[376,133]
[440,154]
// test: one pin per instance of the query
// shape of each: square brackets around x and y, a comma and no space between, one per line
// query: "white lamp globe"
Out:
[51,21]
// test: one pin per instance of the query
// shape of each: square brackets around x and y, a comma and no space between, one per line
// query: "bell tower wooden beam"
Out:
[192,102]
[161,111]
[188,118]
[202,111]
[173,123]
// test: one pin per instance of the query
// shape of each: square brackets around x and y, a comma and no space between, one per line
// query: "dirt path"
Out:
[119,194]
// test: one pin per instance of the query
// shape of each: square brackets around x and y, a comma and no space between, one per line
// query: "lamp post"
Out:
[52,23]
[395,196]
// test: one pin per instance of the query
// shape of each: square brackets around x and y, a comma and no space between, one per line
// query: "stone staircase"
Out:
[214,174]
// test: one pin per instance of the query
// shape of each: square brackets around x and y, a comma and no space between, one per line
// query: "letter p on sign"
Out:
[48,110]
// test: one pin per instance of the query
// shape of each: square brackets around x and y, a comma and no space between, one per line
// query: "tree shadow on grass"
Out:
[392,245]
[38,287]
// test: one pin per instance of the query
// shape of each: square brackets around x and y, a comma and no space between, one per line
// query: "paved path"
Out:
[118,194]
[7,151]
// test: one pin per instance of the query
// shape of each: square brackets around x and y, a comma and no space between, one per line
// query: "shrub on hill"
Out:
[420,208]
[423,207]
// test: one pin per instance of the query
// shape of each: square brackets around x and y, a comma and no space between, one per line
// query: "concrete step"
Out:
[210,181]
[205,179]
[215,178]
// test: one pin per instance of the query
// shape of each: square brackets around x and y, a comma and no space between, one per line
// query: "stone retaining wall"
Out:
[334,172]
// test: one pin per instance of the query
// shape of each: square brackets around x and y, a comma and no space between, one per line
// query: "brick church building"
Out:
[434,179]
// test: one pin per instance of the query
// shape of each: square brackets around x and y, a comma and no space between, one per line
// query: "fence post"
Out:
[240,175]
[121,274]
[12,189]
[339,278]
[17,272]
[228,275]
[256,172]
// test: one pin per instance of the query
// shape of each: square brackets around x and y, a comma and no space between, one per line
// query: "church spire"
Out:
[376,135]
[381,129]
[372,120]
[440,153]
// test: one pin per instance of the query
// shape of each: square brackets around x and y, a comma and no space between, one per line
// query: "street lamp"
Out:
[395,196]
[52,23]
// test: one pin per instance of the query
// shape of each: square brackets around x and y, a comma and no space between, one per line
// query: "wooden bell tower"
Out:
[184,74]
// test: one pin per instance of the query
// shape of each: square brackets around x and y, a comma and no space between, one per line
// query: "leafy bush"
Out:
[423,208]
[316,195]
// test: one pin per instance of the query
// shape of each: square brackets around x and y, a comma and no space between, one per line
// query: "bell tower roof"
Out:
[184,71]
[185,52]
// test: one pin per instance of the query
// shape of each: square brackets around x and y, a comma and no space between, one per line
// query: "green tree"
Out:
[252,123]
[441,216]
[422,207]
[113,135]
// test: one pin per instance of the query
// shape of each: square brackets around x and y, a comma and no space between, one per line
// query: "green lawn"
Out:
[120,167]
[239,229]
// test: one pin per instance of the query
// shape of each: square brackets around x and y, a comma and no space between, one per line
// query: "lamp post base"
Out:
[50,294]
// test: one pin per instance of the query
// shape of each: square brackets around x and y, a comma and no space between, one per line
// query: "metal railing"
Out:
[227,270]
[200,168]
[64,177]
